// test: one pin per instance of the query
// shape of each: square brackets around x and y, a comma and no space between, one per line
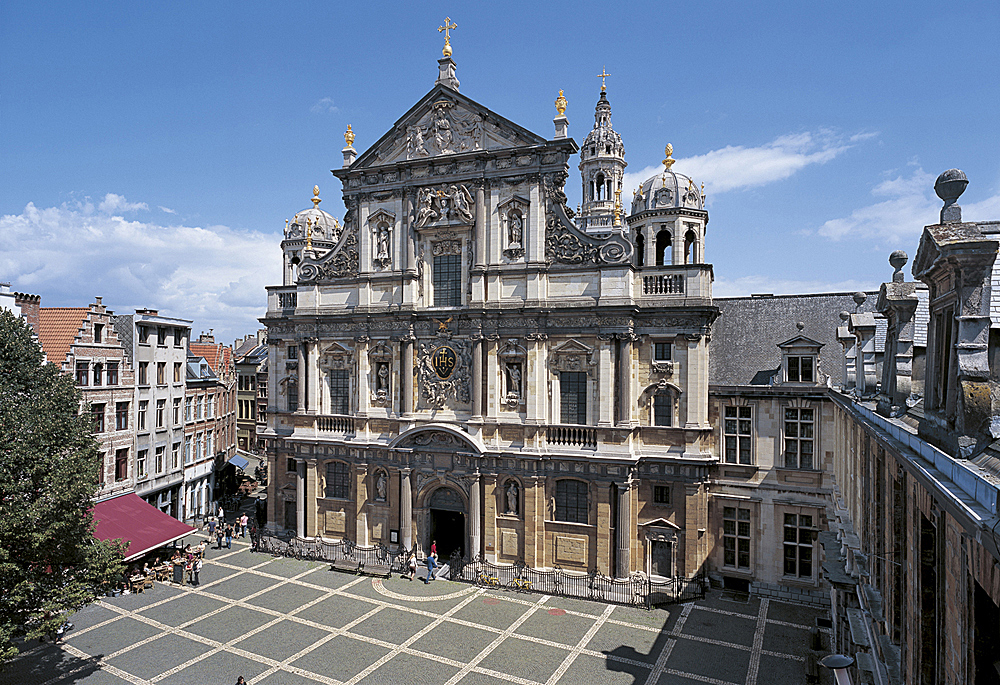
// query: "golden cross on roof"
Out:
[603,75]
[448,24]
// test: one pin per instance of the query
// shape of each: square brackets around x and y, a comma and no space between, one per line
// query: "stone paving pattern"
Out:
[284,622]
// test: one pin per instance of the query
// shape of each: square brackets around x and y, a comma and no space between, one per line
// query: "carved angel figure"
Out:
[461,202]
[425,207]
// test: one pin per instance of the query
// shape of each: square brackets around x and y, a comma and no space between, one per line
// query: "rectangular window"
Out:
[175,455]
[98,332]
[737,431]
[82,369]
[662,351]
[188,454]
[210,401]
[337,483]
[177,411]
[736,537]
[339,389]
[121,464]
[97,411]
[160,411]
[143,335]
[571,501]
[800,369]
[573,397]
[98,373]
[663,409]
[121,416]
[798,438]
[448,280]
[290,465]
[161,373]
[112,373]
[293,395]
[140,463]
[159,458]
[293,352]
[143,373]
[187,409]
[177,371]
[209,443]
[178,337]
[661,494]
[161,336]
[798,544]
[198,447]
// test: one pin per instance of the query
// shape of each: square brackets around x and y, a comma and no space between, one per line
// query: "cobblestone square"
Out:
[286,622]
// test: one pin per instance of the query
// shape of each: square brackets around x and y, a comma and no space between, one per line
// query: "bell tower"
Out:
[602,166]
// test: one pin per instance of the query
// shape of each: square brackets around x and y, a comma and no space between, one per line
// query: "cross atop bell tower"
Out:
[603,75]
[446,65]
[602,166]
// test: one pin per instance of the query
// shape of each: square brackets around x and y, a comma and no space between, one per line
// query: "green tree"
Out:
[50,563]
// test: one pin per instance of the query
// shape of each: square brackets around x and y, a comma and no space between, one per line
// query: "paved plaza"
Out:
[280,621]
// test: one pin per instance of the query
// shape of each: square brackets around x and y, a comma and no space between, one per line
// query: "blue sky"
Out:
[152,151]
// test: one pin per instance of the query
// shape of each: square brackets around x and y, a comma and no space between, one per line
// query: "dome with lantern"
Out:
[668,190]
[314,223]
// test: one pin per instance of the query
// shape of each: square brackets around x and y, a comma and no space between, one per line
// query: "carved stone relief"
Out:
[336,356]
[444,372]
[444,204]
[572,355]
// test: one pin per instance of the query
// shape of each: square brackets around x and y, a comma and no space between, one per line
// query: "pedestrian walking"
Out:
[434,548]
[218,536]
[431,563]
[243,526]
[211,527]
[229,536]
[222,514]
[197,570]
[411,566]
[240,681]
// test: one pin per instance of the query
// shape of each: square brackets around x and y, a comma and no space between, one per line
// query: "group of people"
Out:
[218,528]
[411,564]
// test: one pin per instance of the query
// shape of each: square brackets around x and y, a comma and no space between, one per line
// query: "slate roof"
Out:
[58,328]
[124,329]
[744,348]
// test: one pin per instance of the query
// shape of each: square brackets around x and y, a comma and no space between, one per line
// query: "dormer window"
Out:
[800,370]
[800,360]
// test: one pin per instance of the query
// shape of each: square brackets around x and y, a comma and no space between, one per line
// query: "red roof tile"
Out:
[217,355]
[57,328]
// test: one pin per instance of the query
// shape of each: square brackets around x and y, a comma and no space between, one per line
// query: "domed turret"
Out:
[668,218]
[602,166]
[311,229]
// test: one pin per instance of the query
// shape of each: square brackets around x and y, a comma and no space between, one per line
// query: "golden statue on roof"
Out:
[561,104]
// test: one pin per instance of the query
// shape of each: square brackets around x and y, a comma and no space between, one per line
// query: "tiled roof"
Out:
[745,337]
[57,328]
[217,355]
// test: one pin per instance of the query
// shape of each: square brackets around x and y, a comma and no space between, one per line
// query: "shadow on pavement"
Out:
[43,662]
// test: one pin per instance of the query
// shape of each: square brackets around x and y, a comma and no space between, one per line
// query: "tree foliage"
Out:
[50,563]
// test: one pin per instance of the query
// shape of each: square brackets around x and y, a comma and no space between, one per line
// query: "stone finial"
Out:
[562,124]
[800,325]
[859,298]
[845,315]
[949,186]
[898,260]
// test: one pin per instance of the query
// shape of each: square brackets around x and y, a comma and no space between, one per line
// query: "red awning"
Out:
[140,524]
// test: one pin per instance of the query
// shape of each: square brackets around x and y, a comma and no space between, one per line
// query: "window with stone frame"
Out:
[161,373]
[736,537]
[798,545]
[661,495]
[290,465]
[97,412]
[572,505]
[798,436]
[112,373]
[177,411]
[293,394]
[337,484]
[98,373]
[141,419]
[447,280]
[143,373]
[160,413]
[573,397]
[160,451]
[82,373]
[737,433]
[140,463]
[340,389]
[800,369]
[121,464]
[292,352]
[663,409]
[121,416]
[187,409]
[662,351]
[188,449]
[177,371]
[175,455]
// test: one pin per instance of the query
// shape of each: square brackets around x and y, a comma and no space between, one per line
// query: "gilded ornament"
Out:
[561,104]
[315,198]
[669,161]
[448,24]
[603,75]
[349,136]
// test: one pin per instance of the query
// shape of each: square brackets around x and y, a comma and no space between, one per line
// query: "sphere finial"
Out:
[448,26]
[561,104]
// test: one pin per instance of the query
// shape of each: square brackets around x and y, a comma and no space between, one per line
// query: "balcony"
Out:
[670,282]
[335,423]
[281,298]
[583,437]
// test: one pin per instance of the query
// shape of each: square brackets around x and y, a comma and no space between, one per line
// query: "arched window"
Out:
[690,241]
[640,249]
[664,251]
[599,182]
[337,483]
[571,501]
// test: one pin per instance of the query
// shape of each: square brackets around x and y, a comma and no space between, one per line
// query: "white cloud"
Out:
[736,167]
[749,285]
[910,204]
[324,105]
[117,203]
[68,254]
[167,210]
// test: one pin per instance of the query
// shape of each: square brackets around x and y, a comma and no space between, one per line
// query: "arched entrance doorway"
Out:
[447,527]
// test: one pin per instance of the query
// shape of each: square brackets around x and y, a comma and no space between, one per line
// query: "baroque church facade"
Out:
[467,360]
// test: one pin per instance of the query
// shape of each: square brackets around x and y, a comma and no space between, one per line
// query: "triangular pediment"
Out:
[445,122]
[800,341]
[572,347]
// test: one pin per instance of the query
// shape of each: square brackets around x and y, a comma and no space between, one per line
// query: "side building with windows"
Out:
[83,342]
[250,354]
[210,423]
[156,349]
[461,361]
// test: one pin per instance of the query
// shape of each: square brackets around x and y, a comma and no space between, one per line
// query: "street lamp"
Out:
[839,664]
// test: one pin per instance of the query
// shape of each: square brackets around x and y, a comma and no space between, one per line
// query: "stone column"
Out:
[364,375]
[534,377]
[300,498]
[406,508]
[480,256]
[315,383]
[477,378]
[624,531]
[606,374]
[625,399]
[475,517]
[408,237]
[303,375]
[406,377]
[361,502]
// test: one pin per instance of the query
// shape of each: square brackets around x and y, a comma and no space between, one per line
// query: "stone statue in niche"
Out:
[514,379]
[515,230]
[511,498]
[381,487]
[382,380]
[382,258]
